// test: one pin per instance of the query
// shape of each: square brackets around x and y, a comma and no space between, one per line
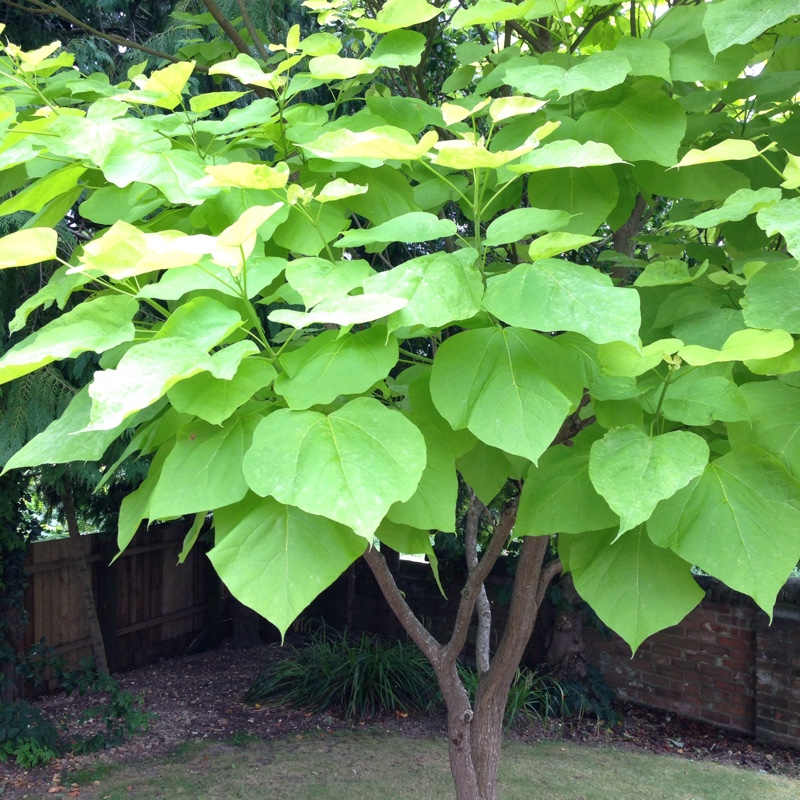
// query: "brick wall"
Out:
[724,664]
[778,676]
[704,668]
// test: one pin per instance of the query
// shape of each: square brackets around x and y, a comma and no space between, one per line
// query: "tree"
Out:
[566,274]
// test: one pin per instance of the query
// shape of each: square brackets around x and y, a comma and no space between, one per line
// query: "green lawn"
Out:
[376,766]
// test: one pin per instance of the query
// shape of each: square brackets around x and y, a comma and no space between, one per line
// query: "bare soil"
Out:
[198,697]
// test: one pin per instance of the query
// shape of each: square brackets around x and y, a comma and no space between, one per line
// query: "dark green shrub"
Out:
[25,735]
[356,675]
[119,711]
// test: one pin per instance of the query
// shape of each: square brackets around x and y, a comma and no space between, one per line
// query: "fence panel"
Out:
[149,606]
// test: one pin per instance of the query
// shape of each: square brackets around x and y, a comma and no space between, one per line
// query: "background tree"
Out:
[566,273]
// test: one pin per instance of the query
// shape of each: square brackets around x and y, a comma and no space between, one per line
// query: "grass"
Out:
[370,765]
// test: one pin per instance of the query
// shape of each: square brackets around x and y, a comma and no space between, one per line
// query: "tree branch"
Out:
[475,579]
[482,605]
[555,567]
[394,597]
[599,17]
[236,38]
[251,29]
[521,616]
[40,7]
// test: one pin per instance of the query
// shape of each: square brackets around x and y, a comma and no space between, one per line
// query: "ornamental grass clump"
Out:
[356,675]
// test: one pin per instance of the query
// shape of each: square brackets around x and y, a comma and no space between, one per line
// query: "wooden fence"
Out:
[149,606]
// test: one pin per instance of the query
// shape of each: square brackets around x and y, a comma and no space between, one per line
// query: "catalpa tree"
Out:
[321,297]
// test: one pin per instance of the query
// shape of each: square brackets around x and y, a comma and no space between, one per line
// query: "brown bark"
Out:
[475,734]
[623,238]
[482,605]
[84,578]
[492,695]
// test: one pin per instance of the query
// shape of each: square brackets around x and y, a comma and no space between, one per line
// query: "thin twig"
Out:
[251,29]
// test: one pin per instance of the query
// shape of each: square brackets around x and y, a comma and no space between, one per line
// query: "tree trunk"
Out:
[475,734]
[84,578]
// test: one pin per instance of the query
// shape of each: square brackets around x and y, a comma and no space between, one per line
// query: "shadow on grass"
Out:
[372,765]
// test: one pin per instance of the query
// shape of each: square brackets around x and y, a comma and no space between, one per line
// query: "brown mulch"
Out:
[197,697]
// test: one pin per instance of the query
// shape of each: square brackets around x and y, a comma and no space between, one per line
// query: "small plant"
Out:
[357,675]
[121,712]
[25,735]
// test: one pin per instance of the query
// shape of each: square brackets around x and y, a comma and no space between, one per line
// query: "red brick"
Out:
[715,716]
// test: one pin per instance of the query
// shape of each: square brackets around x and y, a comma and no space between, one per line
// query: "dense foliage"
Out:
[570,265]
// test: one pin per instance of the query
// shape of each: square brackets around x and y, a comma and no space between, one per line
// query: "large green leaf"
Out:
[439,288]
[417,226]
[783,218]
[396,14]
[566,153]
[177,174]
[698,398]
[595,74]
[770,299]
[330,365]
[350,466]
[107,205]
[521,223]
[202,320]
[135,507]
[555,295]
[711,328]
[124,251]
[485,469]
[740,521]
[175,283]
[433,504]
[588,194]
[741,21]
[635,587]
[64,439]
[214,399]
[558,496]
[276,559]
[203,471]
[485,12]
[671,272]
[643,127]
[409,541]
[143,375]
[739,205]
[93,326]
[634,471]
[646,56]
[727,150]
[316,279]
[553,244]
[371,147]
[28,246]
[624,360]
[511,387]
[774,422]
[343,311]
[740,346]
[37,194]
